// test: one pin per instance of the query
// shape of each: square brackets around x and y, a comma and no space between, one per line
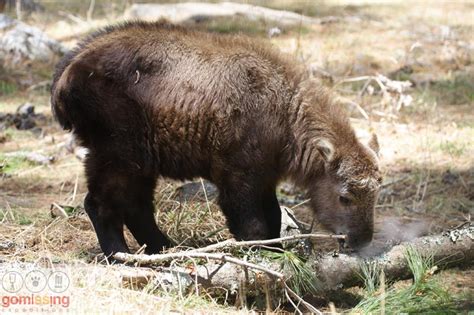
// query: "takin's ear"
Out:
[374,144]
[326,149]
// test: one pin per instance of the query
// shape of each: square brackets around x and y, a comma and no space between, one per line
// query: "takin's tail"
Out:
[69,103]
[57,105]
[94,104]
[85,101]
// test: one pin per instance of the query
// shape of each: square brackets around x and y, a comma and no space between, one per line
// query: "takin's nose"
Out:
[358,240]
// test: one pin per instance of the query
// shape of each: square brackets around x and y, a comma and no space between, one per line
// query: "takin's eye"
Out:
[345,201]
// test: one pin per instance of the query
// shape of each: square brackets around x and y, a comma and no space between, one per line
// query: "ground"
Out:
[427,143]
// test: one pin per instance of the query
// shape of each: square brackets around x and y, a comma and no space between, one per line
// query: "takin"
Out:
[153,99]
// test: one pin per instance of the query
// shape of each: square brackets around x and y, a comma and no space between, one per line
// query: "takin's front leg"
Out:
[242,205]
[272,212]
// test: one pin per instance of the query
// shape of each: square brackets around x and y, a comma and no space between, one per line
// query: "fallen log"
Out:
[197,11]
[454,248]
[449,249]
[180,12]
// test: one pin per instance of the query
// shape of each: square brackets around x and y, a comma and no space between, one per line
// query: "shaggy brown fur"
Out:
[152,99]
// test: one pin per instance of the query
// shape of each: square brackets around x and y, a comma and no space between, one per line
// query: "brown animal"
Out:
[152,99]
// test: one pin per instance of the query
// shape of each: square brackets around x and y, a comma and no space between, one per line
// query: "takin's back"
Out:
[186,99]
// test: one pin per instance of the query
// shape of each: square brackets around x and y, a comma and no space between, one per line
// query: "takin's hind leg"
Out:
[108,224]
[140,219]
[105,203]
[117,196]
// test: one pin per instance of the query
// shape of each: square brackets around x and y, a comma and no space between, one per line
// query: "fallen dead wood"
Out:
[273,274]
[234,243]
[181,12]
[393,92]
[452,248]
[197,11]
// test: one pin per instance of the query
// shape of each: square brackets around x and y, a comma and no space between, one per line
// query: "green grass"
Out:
[7,88]
[425,295]
[237,24]
[453,90]
[452,148]
[14,216]
[303,279]
[10,165]
[458,89]
[314,8]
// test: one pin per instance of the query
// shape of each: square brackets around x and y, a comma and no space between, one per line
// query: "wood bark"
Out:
[449,249]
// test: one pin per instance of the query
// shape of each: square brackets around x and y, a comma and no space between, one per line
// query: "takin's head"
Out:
[344,196]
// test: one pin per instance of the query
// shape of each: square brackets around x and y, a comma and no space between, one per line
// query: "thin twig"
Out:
[75,188]
[310,307]
[395,181]
[356,79]
[148,259]
[382,293]
[356,105]
[62,212]
[19,14]
[72,17]
[270,248]
[292,303]
[300,204]
[141,250]
[90,11]
[205,195]
[234,243]
[268,300]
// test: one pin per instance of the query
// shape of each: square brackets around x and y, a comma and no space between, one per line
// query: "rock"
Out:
[290,226]
[33,157]
[26,109]
[274,32]
[25,118]
[6,21]
[19,41]
[449,178]
[5,245]
[24,122]
[194,192]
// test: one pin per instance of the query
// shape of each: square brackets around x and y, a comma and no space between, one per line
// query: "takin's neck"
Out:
[314,115]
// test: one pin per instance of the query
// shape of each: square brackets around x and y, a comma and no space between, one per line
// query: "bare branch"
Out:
[310,307]
[234,243]
[150,259]
[90,11]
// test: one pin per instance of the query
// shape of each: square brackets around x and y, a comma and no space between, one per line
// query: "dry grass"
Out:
[427,148]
